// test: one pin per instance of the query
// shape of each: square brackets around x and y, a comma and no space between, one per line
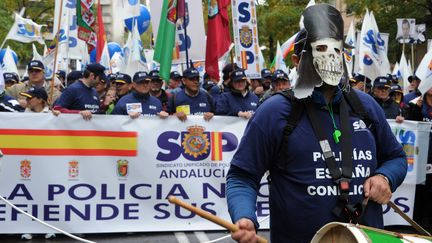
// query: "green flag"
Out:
[166,38]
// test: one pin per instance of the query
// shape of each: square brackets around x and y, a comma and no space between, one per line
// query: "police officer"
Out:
[36,71]
[139,101]
[192,100]
[123,83]
[61,75]
[174,84]
[156,89]
[381,93]
[225,86]
[266,76]
[414,92]
[73,76]
[239,101]
[301,198]
[81,97]
[7,102]
[10,79]
[396,93]
[280,82]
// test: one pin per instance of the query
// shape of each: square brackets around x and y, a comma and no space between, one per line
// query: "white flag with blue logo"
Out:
[424,72]
[134,54]
[25,30]
[9,64]
[373,61]
[405,73]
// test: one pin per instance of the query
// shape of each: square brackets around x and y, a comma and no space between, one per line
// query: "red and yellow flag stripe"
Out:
[216,141]
[68,142]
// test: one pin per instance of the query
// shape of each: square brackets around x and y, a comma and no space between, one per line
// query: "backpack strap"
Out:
[297,108]
[358,108]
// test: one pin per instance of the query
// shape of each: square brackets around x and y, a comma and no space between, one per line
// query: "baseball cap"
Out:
[154,75]
[412,77]
[380,82]
[396,88]
[97,69]
[191,73]
[266,73]
[35,65]
[10,77]
[361,78]
[74,75]
[175,75]
[139,77]
[238,75]
[279,74]
[123,78]
[228,69]
[36,92]
[61,74]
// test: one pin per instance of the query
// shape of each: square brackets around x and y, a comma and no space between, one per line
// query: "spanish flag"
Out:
[68,142]
[216,142]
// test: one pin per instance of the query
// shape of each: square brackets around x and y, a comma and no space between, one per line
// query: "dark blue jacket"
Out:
[302,194]
[9,104]
[149,104]
[78,97]
[410,96]
[198,104]
[390,107]
[230,103]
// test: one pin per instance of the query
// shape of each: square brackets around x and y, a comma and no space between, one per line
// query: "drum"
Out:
[349,233]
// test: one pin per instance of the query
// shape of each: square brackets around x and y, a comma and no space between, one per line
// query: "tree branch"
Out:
[42,12]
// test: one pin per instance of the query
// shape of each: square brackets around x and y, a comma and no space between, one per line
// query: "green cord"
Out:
[337,133]
[330,108]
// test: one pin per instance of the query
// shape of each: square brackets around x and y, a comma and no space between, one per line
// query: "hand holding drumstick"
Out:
[204,214]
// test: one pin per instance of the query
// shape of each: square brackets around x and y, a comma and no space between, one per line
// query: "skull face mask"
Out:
[328,60]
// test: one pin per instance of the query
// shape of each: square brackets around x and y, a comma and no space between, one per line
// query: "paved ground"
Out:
[180,237]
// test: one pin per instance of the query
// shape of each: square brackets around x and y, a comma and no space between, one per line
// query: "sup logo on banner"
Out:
[195,144]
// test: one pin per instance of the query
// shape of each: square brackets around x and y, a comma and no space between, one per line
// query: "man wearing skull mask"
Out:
[317,182]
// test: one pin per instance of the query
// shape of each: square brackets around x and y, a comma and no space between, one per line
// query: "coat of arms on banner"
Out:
[246,36]
[195,141]
[25,168]
[213,8]
[73,169]
[122,168]
[172,11]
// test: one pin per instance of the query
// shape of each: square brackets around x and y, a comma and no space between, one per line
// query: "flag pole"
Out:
[56,40]
[186,37]
[412,57]
[4,41]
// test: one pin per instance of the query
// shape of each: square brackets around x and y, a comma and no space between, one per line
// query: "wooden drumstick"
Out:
[204,214]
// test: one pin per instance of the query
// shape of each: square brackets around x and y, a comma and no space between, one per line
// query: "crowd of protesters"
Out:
[92,92]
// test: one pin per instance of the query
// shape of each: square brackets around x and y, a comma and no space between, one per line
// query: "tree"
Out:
[387,11]
[277,21]
[41,12]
